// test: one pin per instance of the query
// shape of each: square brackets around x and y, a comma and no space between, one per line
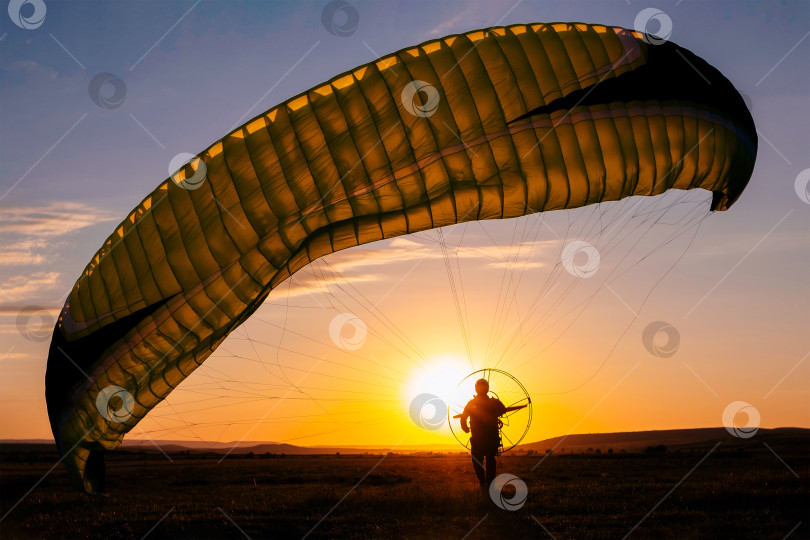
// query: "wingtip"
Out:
[719,201]
[86,470]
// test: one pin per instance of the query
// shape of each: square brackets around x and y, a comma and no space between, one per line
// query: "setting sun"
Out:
[441,378]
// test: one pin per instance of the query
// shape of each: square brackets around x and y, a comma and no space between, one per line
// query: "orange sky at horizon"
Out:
[328,385]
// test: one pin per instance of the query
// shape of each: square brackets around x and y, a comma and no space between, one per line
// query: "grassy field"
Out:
[733,493]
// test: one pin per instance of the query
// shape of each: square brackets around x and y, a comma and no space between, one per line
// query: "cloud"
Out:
[475,14]
[24,286]
[20,72]
[352,266]
[306,283]
[29,234]
[35,236]
[22,252]
[53,219]
[403,250]
[12,355]
[442,28]
[518,265]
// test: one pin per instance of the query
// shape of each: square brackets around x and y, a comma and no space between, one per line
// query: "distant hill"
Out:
[232,447]
[673,439]
[630,441]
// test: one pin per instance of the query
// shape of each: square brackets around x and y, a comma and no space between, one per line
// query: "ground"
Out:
[732,493]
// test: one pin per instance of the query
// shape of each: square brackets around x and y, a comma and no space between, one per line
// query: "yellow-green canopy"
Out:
[491,124]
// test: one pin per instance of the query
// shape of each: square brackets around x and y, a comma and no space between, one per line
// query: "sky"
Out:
[705,319]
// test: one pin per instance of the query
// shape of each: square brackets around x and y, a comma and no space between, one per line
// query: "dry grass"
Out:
[740,494]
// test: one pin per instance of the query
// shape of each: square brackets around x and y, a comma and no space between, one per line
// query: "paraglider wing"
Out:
[491,124]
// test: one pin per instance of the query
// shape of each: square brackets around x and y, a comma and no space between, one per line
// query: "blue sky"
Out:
[192,71]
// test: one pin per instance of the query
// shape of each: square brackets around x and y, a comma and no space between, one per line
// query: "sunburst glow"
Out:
[440,379]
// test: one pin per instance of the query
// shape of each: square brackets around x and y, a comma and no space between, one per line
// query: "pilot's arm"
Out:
[465,415]
[499,408]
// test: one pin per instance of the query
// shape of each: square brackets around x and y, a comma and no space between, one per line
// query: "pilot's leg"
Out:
[491,468]
[478,463]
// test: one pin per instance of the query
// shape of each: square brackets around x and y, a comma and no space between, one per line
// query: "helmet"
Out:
[482,386]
